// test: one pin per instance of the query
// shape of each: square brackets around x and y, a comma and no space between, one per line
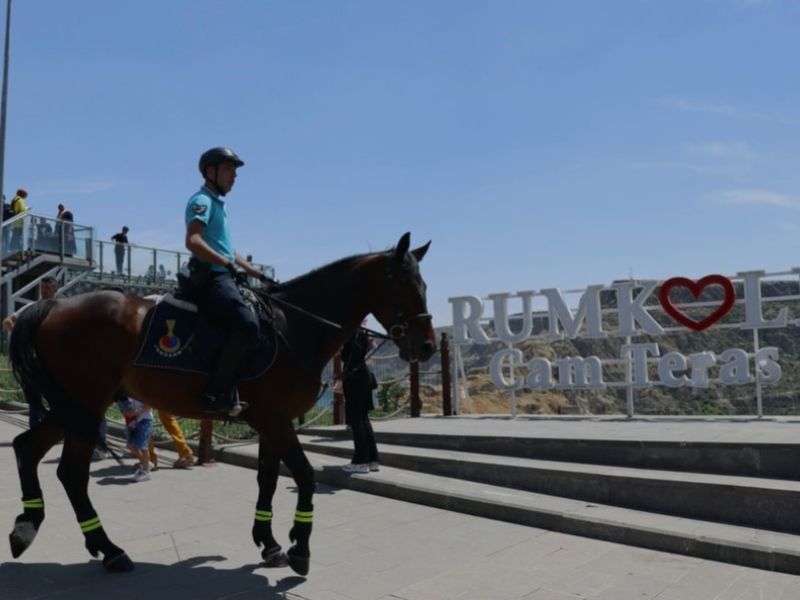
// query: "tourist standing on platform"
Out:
[357,383]
[18,207]
[44,236]
[120,247]
[68,232]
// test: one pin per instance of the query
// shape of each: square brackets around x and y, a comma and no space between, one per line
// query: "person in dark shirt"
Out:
[358,382]
[67,232]
[121,240]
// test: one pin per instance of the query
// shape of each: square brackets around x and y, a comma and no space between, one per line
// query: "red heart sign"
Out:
[697,287]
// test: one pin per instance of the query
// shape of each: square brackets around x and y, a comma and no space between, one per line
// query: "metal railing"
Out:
[31,233]
[131,264]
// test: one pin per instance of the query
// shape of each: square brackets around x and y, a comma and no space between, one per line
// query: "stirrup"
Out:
[222,403]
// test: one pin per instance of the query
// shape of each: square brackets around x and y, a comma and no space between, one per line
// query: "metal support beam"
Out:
[3,110]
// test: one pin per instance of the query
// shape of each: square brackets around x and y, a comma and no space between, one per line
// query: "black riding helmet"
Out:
[215,156]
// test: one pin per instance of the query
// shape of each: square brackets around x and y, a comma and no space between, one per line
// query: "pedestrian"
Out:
[44,236]
[18,207]
[357,383]
[68,232]
[138,425]
[120,243]
[212,271]
[171,426]
[100,452]
[48,287]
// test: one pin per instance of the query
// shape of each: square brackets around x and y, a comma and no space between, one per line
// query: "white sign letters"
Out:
[631,316]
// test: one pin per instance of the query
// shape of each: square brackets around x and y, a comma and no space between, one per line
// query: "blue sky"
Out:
[537,144]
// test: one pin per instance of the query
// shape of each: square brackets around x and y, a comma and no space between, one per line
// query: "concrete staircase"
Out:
[721,501]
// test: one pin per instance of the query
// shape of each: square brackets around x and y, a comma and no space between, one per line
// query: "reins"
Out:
[316,317]
[397,331]
[294,307]
[261,295]
[363,361]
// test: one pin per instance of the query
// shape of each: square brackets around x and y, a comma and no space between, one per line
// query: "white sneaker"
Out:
[141,475]
[351,468]
[374,466]
[99,454]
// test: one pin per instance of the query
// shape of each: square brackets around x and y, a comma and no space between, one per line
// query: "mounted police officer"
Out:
[214,275]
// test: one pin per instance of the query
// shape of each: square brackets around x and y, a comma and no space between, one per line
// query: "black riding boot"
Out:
[221,396]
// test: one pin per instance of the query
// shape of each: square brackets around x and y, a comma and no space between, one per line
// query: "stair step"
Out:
[714,541]
[745,501]
[746,458]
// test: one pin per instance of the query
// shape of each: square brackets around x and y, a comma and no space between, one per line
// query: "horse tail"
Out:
[37,382]
[23,354]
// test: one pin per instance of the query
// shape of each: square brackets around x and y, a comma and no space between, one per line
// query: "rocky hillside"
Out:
[781,398]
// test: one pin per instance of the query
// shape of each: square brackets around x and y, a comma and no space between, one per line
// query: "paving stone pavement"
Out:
[189,533]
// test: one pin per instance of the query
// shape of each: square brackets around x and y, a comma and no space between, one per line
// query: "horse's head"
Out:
[402,308]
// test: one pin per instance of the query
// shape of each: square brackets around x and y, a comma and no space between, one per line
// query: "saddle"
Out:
[179,337]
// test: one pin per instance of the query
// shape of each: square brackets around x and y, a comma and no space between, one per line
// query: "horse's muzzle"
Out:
[417,352]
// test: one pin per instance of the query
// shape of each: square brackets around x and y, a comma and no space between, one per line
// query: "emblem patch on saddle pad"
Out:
[177,338]
[169,344]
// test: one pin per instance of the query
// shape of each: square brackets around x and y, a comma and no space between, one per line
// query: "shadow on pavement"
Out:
[320,489]
[193,578]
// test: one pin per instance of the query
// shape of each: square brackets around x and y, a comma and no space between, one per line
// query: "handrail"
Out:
[110,242]
[74,253]
[18,217]
[42,234]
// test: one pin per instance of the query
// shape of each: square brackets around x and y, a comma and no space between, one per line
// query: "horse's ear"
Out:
[420,252]
[401,248]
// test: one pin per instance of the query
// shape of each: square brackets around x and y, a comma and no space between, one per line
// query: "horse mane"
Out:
[332,271]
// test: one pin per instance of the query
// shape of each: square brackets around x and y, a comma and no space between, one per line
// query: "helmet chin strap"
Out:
[217,189]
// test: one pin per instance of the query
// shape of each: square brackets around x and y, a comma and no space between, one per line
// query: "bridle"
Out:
[401,322]
[396,332]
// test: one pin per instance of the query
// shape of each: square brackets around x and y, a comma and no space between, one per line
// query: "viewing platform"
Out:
[37,246]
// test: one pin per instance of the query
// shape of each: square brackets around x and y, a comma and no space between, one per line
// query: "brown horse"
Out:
[78,351]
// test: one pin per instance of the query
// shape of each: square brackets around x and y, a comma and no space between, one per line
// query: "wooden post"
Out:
[447,401]
[416,404]
[338,397]
[205,450]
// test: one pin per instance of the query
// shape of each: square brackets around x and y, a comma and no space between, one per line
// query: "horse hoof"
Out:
[118,564]
[21,537]
[299,564]
[274,558]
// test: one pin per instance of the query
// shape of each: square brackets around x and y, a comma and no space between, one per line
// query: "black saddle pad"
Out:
[178,338]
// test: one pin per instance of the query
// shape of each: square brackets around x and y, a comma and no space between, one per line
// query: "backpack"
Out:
[7,212]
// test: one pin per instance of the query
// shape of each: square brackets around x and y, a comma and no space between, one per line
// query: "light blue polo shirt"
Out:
[207,208]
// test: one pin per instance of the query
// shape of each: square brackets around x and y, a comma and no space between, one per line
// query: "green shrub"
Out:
[389,395]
